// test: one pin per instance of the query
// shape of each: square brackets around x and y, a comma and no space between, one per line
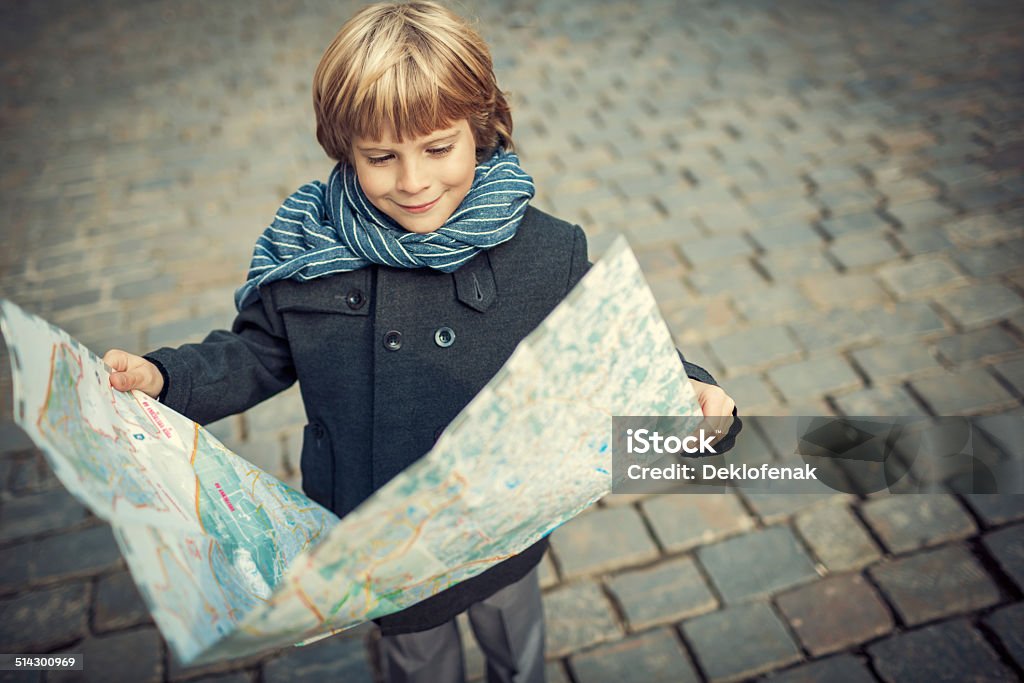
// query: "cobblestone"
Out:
[785,210]
[962,393]
[780,560]
[835,613]
[836,176]
[958,174]
[600,540]
[992,261]
[711,251]
[952,651]
[849,224]
[576,616]
[32,475]
[893,362]
[982,344]
[796,263]
[995,509]
[701,321]
[190,330]
[1007,546]
[1012,370]
[117,604]
[1006,623]
[983,229]
[337,658]
[683,522]
[738,277]
[923,215]
[656,657]
[658,261]
[906,523]
[976,305]
[774,345]
[920,241]
[144,287]
[814,378]
[104,658]
[837,538]
[846,291]
[786,236]
[665,593]
[178,672]
[892,400]
[751,392]
[905,191]
[845,668]
[739,642]
[929,275]
[39,513]
[983,198]
[40,620]
[908,319]
[775,304]
[547,575]
[770,507]
[935,583]
[848,201]
[865,250]
[833,330]
[74,554]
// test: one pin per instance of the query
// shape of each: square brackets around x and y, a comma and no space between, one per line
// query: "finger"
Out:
[124,381]
[116,359]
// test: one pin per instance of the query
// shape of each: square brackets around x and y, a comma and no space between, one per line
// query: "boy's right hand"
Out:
[133,372]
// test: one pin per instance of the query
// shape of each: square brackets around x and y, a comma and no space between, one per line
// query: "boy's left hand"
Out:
[716,405]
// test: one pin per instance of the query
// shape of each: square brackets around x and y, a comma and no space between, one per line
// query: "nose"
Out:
[412,179]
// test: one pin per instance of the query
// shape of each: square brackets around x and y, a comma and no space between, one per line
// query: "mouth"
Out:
[419,208]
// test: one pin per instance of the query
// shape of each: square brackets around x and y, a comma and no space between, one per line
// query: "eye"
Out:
[441,151]
[379,161]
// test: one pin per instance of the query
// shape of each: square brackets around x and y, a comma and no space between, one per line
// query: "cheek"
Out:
[459,175]
[372,181]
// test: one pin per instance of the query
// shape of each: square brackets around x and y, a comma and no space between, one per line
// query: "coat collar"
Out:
[474,283]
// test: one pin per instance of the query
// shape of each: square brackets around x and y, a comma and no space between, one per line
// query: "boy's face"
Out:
[419,182]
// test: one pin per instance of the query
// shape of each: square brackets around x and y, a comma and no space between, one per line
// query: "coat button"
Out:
[393,340]
[355,299]
[444,337]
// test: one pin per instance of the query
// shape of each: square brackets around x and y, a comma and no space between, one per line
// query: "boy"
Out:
[393,293]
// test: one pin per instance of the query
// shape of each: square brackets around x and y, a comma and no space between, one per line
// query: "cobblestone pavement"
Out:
[826,197]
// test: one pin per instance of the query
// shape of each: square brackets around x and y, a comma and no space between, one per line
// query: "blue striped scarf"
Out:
[326,229]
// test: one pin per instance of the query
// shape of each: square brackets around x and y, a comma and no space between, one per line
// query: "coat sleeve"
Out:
[229,371]
[578,267]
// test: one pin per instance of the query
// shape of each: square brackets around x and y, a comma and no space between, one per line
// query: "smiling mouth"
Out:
[421,207]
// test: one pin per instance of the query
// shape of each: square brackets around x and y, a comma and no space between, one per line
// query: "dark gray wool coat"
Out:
[385,359]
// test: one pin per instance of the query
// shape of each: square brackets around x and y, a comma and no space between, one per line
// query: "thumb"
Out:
[123,381]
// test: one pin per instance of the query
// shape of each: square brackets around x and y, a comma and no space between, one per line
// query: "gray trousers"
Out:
[509,626]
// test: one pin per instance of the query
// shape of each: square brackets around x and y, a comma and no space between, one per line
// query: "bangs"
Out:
[410,90]
[403,102]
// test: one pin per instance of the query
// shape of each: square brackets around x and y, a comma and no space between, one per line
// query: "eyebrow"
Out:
[444,137]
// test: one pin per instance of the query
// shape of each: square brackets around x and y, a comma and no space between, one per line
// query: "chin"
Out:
[420,227]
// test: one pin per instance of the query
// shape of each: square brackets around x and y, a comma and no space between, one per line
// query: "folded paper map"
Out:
[231,561]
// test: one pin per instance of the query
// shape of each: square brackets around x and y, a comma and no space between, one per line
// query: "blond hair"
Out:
[408,69]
